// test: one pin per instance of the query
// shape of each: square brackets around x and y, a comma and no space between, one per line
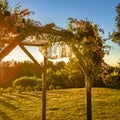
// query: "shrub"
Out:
[37,88]
[58,87]
[112,80]
[1,91]
[28,88]
[26,82]
[19,89]
[9,90]
[51,87]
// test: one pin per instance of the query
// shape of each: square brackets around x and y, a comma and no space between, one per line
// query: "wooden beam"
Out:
[32,44]
[30,56]
[57,32]
[8,49]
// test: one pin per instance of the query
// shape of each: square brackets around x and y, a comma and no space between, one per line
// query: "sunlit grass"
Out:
[67,104]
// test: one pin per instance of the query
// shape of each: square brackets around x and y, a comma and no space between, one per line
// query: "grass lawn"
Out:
[67,104]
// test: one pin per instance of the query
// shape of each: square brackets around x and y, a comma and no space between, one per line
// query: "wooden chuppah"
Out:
[48,33]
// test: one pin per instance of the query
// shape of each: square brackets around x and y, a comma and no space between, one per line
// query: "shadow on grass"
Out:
[34,95]
[4,116]
[8,97]
[23,96]
[7,105]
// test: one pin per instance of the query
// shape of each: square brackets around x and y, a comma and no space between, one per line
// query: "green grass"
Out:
[67,104]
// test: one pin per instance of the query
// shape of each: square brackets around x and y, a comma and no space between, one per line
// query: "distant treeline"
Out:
[64,75]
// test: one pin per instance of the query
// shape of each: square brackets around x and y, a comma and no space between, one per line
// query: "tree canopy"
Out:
[116,33]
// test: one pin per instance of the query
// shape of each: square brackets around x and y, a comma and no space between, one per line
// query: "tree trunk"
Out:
[88,99]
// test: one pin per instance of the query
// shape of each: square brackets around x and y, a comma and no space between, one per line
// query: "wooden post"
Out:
[44,86]
[88,88]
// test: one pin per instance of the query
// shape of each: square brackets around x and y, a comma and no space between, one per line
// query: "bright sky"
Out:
[101,12]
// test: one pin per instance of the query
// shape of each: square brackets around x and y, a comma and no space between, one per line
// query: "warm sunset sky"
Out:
[101,12]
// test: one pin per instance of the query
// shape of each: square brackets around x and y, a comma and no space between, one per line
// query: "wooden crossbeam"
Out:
[30,56]
[8,49]
[41,30]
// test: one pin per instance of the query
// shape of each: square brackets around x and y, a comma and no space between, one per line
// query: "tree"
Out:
[113,79]
[74,73]
[28,68]
[54,75]
[116,33]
